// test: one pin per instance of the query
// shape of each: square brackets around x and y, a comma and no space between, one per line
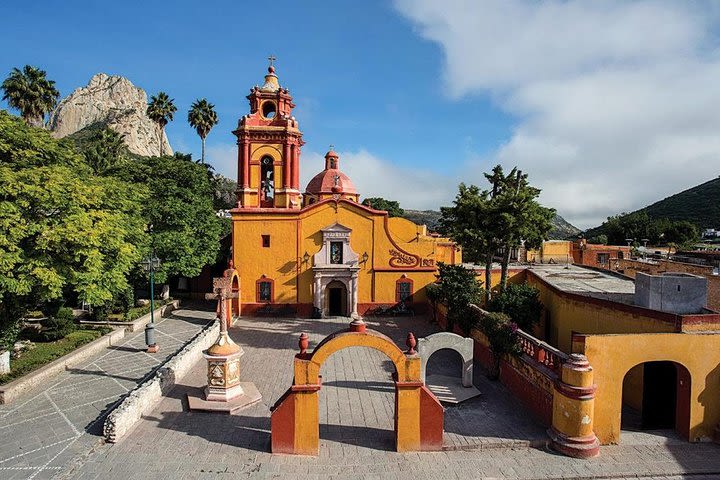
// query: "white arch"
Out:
[441,340]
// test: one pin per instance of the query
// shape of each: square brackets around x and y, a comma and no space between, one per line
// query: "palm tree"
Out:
[160,110]
[29,91]
[202,118]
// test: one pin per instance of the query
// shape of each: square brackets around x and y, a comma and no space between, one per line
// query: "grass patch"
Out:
[46,352]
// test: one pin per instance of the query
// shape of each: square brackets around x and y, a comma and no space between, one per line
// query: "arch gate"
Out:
[447,340]
[419,416]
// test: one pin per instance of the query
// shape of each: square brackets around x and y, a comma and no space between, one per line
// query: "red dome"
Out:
[324,182]
[331,180]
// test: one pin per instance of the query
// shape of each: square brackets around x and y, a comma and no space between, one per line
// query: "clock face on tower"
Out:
[266,160]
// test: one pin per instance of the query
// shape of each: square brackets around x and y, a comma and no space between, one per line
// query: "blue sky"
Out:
[418,95]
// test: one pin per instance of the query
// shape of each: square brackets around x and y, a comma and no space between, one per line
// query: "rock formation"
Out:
[115,102]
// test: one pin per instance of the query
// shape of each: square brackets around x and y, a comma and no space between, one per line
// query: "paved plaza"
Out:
[55,433]
[44,431]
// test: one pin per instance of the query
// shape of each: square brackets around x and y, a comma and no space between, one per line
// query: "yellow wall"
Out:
[567,315]
[612,356]
[551,251]
[294,233]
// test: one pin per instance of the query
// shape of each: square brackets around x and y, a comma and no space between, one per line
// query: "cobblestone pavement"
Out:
[356,426]
[45,429]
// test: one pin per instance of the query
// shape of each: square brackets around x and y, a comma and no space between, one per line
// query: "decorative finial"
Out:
[303,343]
[271,68]
[332,147]
[411,342]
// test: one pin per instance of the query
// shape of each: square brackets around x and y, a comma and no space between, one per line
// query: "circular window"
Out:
[268,110]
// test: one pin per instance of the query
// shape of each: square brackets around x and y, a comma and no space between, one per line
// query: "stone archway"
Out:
[447,340]
[295,416]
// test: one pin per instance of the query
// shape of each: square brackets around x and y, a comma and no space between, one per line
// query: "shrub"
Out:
[59,326]
[457,288]
[100,313]
[501,333]
[521,302]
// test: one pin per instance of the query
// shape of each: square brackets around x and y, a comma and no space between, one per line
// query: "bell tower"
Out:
[269,142]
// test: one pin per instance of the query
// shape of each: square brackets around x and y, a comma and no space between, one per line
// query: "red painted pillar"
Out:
[246,165]
[296,167]
[241,162]
[287,162]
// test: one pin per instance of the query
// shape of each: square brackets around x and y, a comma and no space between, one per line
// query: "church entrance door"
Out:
[337,298]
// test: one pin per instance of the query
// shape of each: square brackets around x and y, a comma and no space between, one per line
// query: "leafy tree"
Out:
[224,196]
[29,91]
[521,302]
[62,228]
[202,117]
[457,288]
[186,230]
[470,223]
[390,206]
[160,110]
[518,217]
[104,149]
[599,239]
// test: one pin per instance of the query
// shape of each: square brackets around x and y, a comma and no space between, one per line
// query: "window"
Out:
[403,290]
[603,257]
[266,241]
[620,255]
[264,288]
[336,252]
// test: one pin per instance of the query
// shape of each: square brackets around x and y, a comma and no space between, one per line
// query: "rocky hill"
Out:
[112,101]
[561,228]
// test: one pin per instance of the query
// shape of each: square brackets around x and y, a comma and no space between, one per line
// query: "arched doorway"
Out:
[336,299]
[368,389]
[656,397]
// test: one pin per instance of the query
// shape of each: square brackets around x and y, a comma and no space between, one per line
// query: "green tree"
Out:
[202,117]
[521,302]
[470,223]
[160,110]
[104,149]
[519,218]
[29,91]
[390,206]
[457,288]
[62,228]
[186,231]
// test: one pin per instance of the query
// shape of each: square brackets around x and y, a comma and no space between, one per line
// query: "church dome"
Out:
[331,180]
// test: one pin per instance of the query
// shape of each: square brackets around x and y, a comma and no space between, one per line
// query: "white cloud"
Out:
[616,102]
[373,176]
[223,158]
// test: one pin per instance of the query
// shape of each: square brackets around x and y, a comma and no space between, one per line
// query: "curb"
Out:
[10,391]
[138,323]
[143,398]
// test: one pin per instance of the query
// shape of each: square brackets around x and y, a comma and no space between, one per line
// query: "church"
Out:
[317,251]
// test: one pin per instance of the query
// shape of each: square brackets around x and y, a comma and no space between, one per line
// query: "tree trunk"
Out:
[203,150]
[488,277]
[504,268]
[160,139]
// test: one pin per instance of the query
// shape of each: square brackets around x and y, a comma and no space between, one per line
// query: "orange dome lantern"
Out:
[330,183]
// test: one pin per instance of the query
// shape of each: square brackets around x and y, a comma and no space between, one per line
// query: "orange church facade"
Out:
[317,251]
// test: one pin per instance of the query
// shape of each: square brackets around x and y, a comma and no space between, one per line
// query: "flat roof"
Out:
[588,282]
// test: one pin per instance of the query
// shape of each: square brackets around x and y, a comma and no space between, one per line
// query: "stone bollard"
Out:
[573,408]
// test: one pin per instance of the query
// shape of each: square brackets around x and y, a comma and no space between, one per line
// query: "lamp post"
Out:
[151,264]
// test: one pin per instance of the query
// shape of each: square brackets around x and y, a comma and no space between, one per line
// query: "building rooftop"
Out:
[584,281]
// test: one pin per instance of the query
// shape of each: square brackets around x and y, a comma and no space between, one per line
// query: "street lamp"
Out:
[151,264]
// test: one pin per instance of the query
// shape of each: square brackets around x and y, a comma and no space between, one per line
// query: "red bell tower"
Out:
[269,142]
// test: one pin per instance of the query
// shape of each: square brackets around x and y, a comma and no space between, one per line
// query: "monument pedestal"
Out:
[224,392]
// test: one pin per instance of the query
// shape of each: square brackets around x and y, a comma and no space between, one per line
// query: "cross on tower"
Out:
[272,58]
[332,147]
